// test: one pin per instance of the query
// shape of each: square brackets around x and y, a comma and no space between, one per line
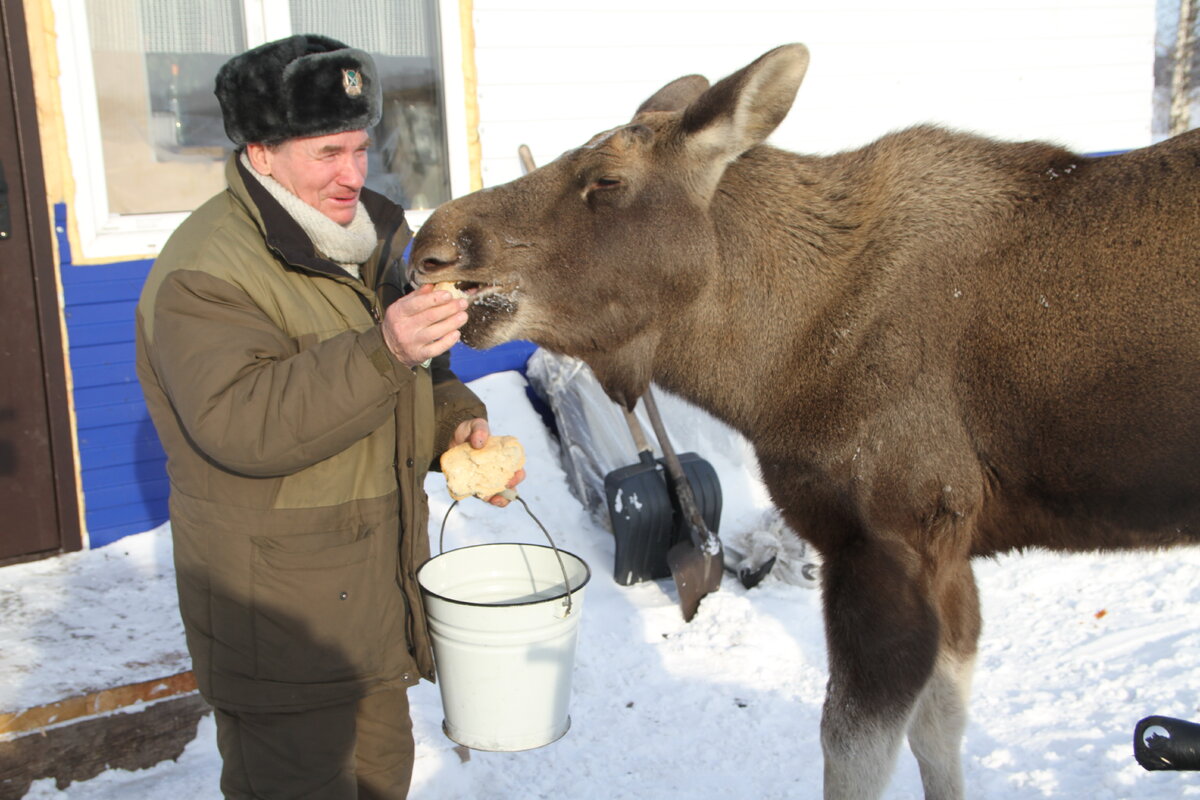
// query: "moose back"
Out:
[941,346]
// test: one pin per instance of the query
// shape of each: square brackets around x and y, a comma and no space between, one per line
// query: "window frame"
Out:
[98,236]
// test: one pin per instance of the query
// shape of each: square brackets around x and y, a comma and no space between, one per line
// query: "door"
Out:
[38,506]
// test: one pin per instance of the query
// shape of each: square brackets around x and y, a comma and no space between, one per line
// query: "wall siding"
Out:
[554,72]
[122,466]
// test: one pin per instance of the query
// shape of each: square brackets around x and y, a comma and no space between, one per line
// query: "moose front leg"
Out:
[936,732]
[883,633]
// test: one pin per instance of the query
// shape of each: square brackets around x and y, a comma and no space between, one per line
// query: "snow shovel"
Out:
[645,519]
[706,488]
[697,562]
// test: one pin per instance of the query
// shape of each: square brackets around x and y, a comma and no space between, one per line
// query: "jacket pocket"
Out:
[316,598]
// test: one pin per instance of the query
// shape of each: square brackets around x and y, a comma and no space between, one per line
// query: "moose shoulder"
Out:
[940,346]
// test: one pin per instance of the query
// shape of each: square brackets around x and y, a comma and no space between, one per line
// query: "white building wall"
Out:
[1077,72]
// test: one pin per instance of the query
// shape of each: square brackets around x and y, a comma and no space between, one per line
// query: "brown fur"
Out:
[940,345]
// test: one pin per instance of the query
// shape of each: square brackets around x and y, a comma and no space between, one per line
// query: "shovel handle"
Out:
[635,430]
[526,156]
[702,537]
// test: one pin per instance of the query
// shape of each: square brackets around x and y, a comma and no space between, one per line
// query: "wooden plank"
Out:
[104,374]
[126,393]
[81,750]
[106,333]
[74,274]
[123,473]
[135,446]
[76,294]
[117,414]
[129,494]
[95,313]
[83,355]
[153,514]
[129,433]
[101,702]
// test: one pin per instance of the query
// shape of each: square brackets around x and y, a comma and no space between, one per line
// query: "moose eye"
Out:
[600,188]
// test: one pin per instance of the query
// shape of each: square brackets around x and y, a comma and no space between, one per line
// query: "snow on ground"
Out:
[1075,650]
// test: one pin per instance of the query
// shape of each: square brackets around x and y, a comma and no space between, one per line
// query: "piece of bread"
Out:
[449,286]
[485,472]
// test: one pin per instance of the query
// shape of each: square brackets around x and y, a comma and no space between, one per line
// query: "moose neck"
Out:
[823,258]
[787,229]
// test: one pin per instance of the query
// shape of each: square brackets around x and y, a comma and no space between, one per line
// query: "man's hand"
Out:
[477,432]
[423,324]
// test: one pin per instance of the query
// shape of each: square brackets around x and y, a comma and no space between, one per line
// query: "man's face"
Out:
[327,172]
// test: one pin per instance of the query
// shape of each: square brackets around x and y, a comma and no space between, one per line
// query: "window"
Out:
[145,132]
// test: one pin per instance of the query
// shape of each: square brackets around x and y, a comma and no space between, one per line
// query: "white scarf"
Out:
[348,246]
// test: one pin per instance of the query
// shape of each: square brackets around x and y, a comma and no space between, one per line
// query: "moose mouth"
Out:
[489,307]
[475,290]
[478,292]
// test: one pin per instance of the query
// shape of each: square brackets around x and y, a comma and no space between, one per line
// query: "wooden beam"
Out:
[17,723]
[82,749]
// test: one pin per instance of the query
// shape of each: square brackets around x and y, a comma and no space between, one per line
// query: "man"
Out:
[300,411]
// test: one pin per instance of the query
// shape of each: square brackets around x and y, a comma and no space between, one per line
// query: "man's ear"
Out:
[259,157]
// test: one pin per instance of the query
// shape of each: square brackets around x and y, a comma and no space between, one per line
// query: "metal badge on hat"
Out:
[352,82]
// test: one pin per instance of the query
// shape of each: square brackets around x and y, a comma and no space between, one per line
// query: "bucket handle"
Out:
[512,495]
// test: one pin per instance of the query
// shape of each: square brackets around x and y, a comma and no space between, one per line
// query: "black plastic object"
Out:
[645,518]
[1166,743]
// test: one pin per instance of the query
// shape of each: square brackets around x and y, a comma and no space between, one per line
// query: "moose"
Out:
[940,345]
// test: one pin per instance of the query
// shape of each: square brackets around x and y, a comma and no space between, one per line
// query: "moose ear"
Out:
[742,110]
[676,95]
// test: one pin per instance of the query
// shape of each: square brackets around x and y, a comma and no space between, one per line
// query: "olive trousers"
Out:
[360,750]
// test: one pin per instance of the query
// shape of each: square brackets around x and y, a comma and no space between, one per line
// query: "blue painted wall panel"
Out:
[121,392]
[128,449]
[107,333]
[120,312]
[110,473]
[91,291]
[119,414]
[108,436]
[84,356]
[122,466]
[141,489]
[104,374]
[109,525]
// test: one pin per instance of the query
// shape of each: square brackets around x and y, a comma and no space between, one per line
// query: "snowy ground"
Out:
[1075,650]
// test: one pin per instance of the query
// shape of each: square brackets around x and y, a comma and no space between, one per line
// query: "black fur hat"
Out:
[305,85]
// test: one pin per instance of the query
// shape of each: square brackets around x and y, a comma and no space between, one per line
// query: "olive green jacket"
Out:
[297,448]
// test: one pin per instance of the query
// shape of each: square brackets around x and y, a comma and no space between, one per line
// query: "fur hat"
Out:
[305,85]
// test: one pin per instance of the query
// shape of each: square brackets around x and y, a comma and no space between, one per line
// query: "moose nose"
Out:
[428,258]
[435,257]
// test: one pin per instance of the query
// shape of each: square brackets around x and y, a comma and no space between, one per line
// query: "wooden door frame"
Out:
[30,182]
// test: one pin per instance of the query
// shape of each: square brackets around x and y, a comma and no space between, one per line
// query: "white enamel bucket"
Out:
[504,620]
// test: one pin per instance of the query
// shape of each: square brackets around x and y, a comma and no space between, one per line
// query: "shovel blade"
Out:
[643,522]
[697,574]
[645,517]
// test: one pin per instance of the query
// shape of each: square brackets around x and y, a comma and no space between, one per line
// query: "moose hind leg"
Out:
[936,732]
[882,632]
